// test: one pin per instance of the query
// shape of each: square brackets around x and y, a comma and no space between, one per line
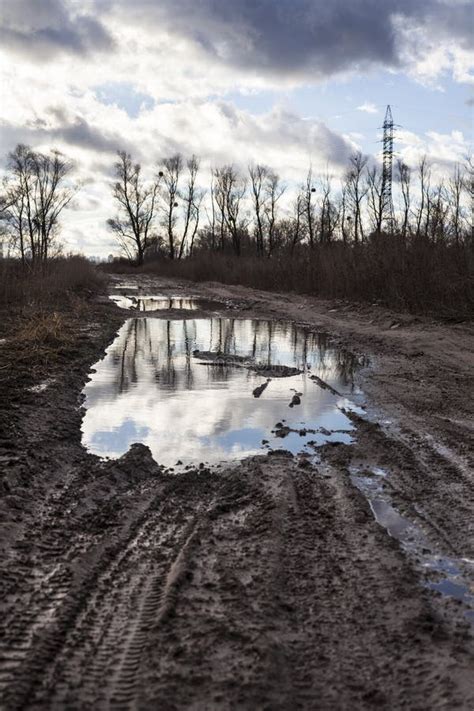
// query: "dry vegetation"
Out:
[48,285]
[417,276]
[42,308]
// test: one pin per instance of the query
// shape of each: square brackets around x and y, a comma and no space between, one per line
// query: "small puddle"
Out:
[217,389]
[443,573]
[141,302]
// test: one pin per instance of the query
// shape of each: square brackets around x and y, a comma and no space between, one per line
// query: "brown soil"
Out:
[263,585]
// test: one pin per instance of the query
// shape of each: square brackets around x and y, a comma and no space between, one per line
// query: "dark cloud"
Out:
[77,132]
[43,28]
[294,36]
[313,38]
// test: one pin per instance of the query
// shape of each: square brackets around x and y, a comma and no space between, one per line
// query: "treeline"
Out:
[254,212]
[336,238]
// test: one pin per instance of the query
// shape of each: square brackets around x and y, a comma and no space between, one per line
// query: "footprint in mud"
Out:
[259,390]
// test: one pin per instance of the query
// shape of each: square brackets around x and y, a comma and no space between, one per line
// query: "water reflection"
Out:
[155,386]
[144,303]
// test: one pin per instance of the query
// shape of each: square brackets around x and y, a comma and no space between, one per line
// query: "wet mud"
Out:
[275,582]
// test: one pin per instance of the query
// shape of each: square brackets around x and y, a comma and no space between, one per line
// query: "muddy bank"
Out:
[267,584]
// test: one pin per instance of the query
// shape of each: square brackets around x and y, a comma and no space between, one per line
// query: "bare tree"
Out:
[230,189]
[468,183]
[310,211]
[330,214]
[37,190]
[436,225]
[192,198]
[219,185]
[424,175]
[197,213]
[299,207]
[137,202]
[356,190]
[273,192]
[171,174]
[404,176]
[258,177]
[455,198]
[375,197]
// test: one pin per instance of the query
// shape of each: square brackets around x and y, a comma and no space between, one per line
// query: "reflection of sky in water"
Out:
[157,303]
[150,388]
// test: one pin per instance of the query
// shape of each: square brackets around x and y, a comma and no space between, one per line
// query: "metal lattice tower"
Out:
[387,172]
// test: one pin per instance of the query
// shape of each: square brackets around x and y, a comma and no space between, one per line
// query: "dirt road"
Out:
[267,584]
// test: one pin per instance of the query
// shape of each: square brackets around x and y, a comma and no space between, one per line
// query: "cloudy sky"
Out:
[283,82]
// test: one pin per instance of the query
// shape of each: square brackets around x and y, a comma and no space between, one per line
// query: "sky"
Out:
[281,82]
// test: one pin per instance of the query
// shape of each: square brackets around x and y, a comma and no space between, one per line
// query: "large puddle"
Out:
[216,389]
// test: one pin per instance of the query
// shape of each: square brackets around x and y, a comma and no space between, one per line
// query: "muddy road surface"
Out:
[341,578]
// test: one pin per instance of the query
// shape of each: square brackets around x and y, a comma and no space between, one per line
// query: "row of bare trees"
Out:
[170,214]
[171,201]
[246,210]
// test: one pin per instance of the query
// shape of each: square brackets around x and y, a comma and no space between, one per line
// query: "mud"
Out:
[265,584]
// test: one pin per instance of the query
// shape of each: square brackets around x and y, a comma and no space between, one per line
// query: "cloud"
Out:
[368,108]
[41,30]
[77,132]
[313,39]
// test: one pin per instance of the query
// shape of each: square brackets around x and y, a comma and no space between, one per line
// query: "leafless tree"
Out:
[404,176]
[436,226]
[191,197]
[258,178]
[136,200]
[196,210]
[230,189]
[37,189]
[424,176]
[273,193]
[375,197]
[455,191]
[310,210]
[171,174]
[297,220]
[330,213]
[468,183]
[356,190]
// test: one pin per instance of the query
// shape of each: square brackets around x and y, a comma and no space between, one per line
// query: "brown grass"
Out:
[418,277]
[47,285]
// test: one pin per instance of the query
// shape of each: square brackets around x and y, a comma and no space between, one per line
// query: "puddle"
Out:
[443,573]
[142,302]
[211,390]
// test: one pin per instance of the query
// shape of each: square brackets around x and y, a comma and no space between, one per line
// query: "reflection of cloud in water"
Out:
[150,388]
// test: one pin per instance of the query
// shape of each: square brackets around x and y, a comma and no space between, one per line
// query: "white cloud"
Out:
[368,108]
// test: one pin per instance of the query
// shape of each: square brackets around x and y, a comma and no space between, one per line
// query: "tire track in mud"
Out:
[45,639]
[156,603]
[94,628]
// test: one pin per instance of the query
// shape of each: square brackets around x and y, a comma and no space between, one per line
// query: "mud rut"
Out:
[266,585]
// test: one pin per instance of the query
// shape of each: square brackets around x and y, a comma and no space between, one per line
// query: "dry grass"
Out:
[418,277]
[42,309]
[47,285]
[44,330]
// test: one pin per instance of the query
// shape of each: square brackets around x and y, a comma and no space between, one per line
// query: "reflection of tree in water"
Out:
[188,349]
[165,348]
[166,375]
[125,357]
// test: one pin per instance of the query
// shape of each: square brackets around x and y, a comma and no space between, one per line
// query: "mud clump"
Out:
[259,390]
